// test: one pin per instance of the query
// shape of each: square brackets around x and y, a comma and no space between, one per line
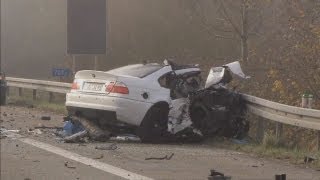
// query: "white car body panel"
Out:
[127,110]
[130,108]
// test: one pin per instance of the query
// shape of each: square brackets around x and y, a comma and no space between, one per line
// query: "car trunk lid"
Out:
[90,81]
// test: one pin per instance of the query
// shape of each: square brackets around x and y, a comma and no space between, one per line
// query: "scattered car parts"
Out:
[215,175]
[166,157]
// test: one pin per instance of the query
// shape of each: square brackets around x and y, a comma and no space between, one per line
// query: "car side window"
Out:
[166,80]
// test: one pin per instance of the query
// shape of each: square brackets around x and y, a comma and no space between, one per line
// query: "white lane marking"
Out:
[84,160]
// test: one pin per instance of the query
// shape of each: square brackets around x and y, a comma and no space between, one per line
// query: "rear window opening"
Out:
[136,70]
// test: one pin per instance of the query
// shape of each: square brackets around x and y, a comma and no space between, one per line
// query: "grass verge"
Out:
[272,150]
[57,107]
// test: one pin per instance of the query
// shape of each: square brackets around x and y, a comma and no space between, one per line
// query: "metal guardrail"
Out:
[280,113]
[49,86]
[296,116]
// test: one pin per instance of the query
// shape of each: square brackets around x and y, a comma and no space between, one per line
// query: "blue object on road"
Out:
[70,128]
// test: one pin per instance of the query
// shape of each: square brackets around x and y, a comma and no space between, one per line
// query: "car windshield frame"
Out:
[137,70]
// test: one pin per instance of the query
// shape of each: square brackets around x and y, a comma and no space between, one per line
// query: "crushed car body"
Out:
[160,102]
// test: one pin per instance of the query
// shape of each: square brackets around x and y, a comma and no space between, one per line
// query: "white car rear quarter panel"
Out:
[127,110]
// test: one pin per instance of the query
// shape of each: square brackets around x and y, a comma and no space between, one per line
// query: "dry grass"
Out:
[271,148]
[26,100]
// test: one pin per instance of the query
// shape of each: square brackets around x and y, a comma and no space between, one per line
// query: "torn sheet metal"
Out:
[236,69]
[179,117]
[217,74]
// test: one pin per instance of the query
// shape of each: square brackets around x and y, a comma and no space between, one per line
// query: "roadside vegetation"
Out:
[271,148]
[41,102]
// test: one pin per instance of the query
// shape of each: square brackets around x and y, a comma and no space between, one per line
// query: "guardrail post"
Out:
[8,90]
[279,129]
[260,130]
[20,92]
[51,97]
[34,94]
[318,140]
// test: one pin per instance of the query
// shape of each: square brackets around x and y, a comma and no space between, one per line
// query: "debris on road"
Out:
[35,132]
[46,127]
[100,157]
[77,137]
[280,177]
[110,147]
[4,132]
[71,127]
[9,133]
[161,158]
[309,159]
[46,118]
[126,137]
[80,129]
[215,175]
[94,131]
[66,164]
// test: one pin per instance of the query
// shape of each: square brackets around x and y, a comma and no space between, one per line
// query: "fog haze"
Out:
[33,37]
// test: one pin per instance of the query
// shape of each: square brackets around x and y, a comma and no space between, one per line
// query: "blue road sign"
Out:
[61,72]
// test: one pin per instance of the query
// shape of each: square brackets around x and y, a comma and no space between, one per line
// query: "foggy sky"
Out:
[33,37]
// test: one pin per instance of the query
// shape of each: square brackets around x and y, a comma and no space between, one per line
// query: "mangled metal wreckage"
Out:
[160,102]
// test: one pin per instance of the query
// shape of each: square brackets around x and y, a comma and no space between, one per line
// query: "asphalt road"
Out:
[43,156]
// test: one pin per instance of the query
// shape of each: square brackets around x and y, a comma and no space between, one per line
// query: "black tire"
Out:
[154,126]
[203,118]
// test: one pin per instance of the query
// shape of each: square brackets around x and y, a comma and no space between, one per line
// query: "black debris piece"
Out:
[46,118]
[280,177]
[161,158]
[309,159]
[215,175]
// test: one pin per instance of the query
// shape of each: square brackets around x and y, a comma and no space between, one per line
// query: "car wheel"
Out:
[153,128]
[203,119]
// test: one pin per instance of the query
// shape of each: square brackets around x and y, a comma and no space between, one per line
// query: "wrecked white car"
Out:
[159,102]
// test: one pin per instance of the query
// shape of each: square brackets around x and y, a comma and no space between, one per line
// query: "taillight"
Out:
[75,86]
[117,87]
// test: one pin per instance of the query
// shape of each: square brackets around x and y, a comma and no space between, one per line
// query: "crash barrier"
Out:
[280,113]
[38,85]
